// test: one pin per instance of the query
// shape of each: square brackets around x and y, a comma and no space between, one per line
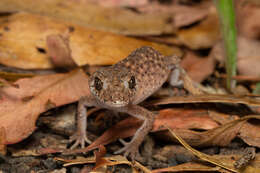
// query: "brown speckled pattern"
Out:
[149,68]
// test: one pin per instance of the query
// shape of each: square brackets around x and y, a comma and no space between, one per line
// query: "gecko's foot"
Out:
[130,149]
[79,140]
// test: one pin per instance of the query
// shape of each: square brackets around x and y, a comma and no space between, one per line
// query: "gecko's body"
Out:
[124,85]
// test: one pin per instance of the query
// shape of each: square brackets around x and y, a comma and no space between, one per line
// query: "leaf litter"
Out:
[88,46]
[95,16]
[204,127]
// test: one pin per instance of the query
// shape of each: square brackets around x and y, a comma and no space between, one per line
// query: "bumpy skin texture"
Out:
[122,86]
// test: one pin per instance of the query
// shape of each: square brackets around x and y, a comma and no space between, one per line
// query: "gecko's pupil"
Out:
[98,84]
[131,82]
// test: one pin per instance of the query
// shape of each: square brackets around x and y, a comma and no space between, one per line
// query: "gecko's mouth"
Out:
[117,103]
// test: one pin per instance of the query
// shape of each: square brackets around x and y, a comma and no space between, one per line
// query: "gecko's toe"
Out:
[130,150]
[79,140]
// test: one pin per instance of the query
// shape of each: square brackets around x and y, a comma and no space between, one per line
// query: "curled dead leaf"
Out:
[18,117]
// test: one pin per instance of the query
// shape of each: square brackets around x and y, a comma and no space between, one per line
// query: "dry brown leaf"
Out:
[23,45]
[220,136]
[249,133]
[209,98]
[221,118]
[197,68]
[119,3]
[11,76]
[187,15]
[248,23]
[184,119]
[183,15]
[116,20]
[20,110]
[111,161]
[203,35]
[78,160]
[187,167]
[248,56]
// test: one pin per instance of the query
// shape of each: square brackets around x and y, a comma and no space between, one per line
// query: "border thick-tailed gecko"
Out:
[124,85]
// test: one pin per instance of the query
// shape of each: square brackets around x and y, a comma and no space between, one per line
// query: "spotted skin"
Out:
[124,85]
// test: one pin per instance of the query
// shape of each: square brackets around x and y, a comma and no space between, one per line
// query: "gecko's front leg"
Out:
[132,148]
[80,137]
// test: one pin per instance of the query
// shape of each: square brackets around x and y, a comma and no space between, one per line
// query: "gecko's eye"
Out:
[98,84]
[131,82]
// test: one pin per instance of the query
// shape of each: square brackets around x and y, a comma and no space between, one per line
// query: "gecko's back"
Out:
[132,79]
[150,68]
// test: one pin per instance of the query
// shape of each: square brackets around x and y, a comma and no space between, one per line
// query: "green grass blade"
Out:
[227,17]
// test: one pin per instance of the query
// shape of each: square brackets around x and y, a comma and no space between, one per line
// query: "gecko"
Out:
[122,86]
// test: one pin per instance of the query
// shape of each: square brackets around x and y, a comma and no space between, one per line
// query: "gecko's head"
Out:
[113,87]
